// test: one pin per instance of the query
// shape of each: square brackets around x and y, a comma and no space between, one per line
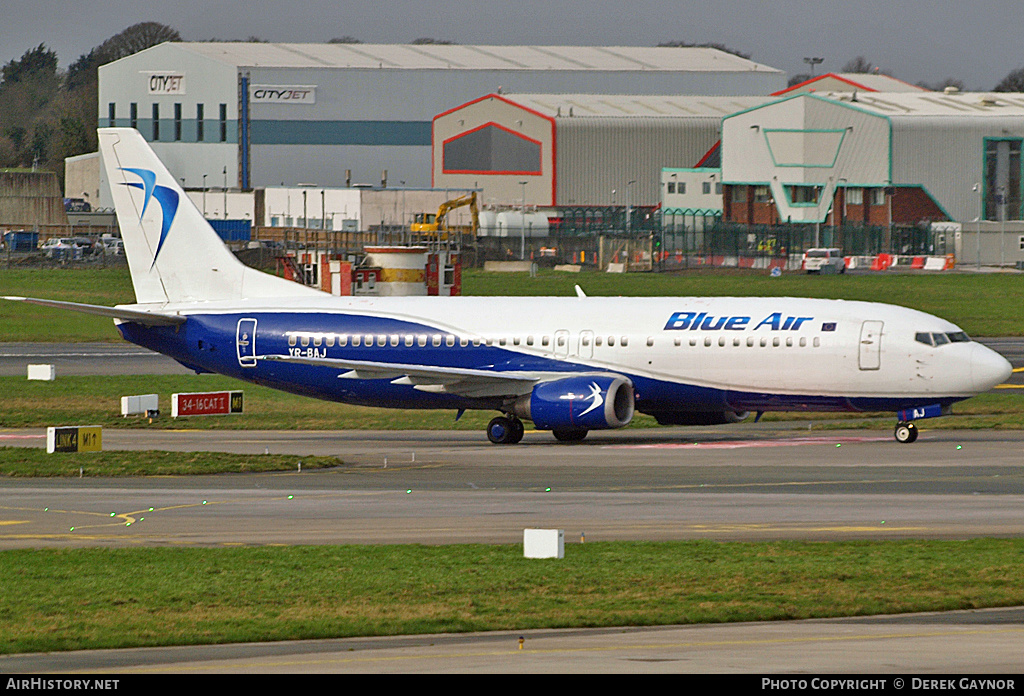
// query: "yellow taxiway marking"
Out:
[6,522]
[1009,386]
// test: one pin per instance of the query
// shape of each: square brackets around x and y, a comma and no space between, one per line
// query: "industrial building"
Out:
[875,158]
[576,150]
[251,115]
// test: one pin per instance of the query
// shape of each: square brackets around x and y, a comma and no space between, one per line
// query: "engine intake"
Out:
[587,402]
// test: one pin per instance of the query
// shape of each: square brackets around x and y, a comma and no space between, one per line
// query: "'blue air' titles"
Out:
[694,321]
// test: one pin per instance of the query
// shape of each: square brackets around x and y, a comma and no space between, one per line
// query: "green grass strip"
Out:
[22,462]
[73,599]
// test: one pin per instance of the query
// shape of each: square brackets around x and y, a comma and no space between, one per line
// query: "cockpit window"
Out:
[941,339]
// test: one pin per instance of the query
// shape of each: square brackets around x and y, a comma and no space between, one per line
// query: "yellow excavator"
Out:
[433,226]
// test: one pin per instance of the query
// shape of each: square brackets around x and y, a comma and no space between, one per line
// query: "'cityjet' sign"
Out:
[165,83]
[283,94]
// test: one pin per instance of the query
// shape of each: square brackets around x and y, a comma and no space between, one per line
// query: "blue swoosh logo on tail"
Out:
[166,197]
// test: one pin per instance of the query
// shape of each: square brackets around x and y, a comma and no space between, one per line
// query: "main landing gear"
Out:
[906,432]
[505,431]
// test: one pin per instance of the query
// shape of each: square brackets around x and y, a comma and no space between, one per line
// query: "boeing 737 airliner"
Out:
[568,364]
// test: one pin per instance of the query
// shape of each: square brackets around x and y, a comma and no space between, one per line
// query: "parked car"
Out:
[824,260]
[64,247]
[112,246]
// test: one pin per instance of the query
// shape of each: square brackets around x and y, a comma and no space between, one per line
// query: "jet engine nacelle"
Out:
[699,417]
[586,402]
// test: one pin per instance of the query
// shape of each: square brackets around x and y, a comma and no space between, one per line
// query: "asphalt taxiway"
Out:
[740,482]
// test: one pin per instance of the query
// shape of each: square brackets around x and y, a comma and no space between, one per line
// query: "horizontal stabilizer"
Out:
[133,315]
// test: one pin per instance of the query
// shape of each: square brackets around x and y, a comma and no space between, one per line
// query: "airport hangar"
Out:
[859,158]
[252,115]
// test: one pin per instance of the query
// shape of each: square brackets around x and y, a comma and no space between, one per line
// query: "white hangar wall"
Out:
[364,107]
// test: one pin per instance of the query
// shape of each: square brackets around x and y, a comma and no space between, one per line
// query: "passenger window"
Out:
[650,341]
[463,341]
[502,341]
[394,340]
[318,340]
[515,341]
[330,340]
[677,342]
[382,340]
[789,342]
[421,340]
[343,340]
[561,341]
[750,341]
[356,339]
[624,342]
[408,340]
[449,340]
[291,339]
[817,341]
[611,341]
[529,340]
[707,341]
[764,342]
[436,341]
[803,342]
[545,341]
[721,341]
[775,342]
[368,340]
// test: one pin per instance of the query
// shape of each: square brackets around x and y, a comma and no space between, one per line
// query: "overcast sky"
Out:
[978,43]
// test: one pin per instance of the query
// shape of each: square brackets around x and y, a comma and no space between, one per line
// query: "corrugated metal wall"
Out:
[598,155]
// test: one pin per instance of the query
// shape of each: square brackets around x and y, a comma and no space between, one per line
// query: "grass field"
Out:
[986,304]
[75,599]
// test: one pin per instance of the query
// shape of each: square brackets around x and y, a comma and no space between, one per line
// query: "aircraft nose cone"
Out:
[988,368]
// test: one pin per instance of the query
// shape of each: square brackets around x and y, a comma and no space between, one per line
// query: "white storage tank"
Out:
[512,223]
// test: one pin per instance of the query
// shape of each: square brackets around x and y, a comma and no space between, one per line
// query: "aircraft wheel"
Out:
[502,431]
[905,432]
[518,430]
[569,435]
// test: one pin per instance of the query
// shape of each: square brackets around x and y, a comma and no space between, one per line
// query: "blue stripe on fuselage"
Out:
[208,341]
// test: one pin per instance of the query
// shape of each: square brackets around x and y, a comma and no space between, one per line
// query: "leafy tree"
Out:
[425,41]
[36,63]
[345,40]
[1014,82]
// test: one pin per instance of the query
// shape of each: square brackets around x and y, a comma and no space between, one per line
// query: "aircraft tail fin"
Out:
[174,255]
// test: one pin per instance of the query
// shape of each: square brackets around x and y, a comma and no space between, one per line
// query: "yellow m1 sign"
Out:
[80,438]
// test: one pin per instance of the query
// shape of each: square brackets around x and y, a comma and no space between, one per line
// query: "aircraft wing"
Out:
[133,315]
[447,380]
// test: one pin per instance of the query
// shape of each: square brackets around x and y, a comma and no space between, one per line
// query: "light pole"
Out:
[522,230]
[812,62]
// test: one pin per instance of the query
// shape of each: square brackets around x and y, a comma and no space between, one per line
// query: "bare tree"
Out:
[1014,82]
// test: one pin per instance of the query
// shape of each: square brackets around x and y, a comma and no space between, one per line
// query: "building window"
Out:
[223,123]
[177,122]
[111,115]
[854,196]
[156,122]
[739,194]
[761,194]
[706,188]
[877,196]
[1002,179]
[718,188]
[804,195]
[671,187]
[199,123]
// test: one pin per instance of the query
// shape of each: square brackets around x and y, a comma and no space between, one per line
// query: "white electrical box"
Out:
[44,372]
[544,543]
